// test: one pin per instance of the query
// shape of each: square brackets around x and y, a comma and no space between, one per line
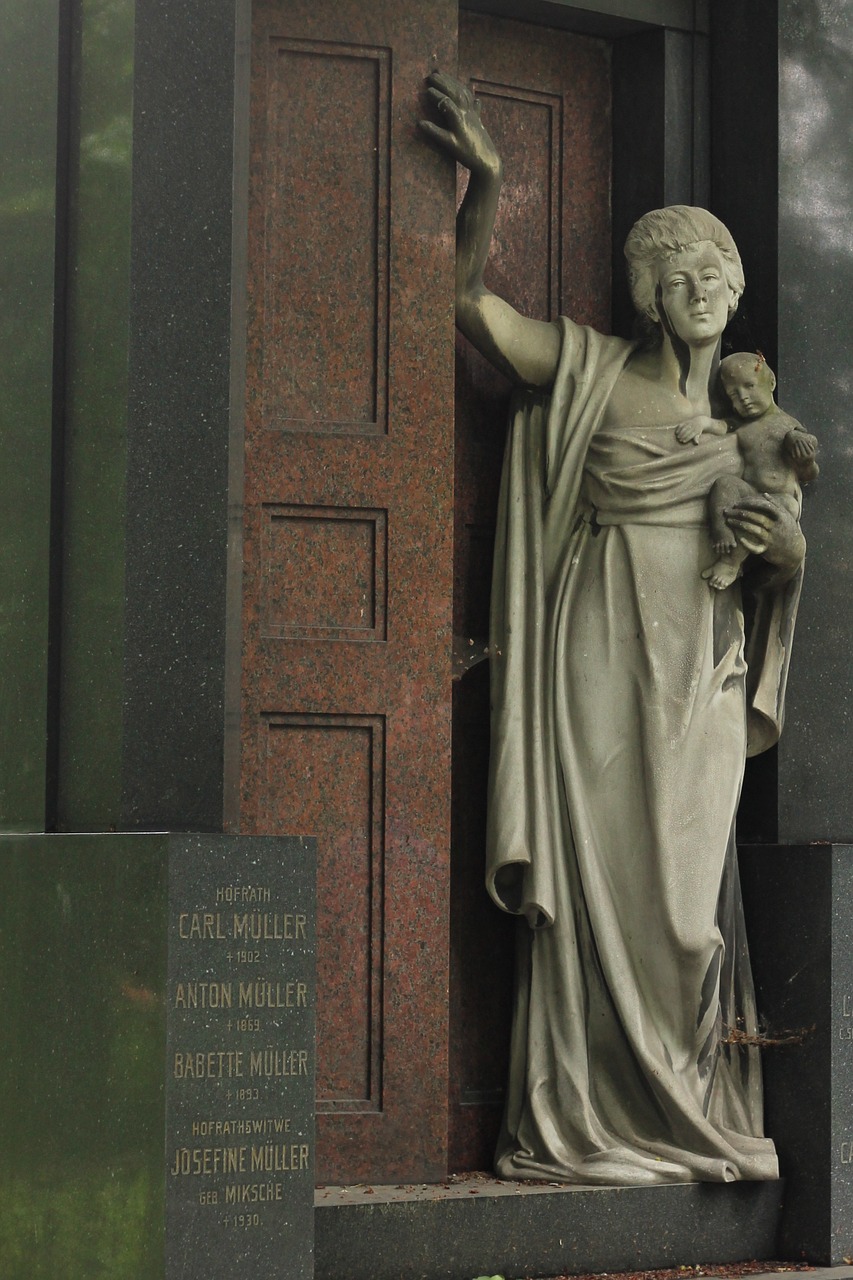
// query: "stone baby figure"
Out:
[778,456]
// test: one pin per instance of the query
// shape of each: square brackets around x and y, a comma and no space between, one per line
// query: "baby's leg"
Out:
[791,502]
[725,492]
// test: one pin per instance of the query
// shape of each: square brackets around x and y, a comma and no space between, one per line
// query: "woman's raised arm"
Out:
[528,350]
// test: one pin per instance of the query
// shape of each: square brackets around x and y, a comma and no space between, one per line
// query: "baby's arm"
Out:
[801,446]
[698,426]
[800,443]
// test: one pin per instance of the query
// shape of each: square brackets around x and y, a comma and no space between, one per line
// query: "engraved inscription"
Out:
[208,1066]
[228,1128]
[203,995]
[240,1064]
[206,1162]
[242,893]
[254,926]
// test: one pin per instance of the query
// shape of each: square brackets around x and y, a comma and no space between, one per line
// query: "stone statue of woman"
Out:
[624,703]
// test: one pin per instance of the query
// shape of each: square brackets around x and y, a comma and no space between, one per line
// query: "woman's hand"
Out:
[528,351]
[767,529]
[463,134]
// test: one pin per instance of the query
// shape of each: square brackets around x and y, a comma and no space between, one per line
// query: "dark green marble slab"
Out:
[100,939]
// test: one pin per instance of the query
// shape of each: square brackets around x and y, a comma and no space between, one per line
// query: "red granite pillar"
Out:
[348,547]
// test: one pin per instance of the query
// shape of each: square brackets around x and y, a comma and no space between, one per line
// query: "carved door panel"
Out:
[546,101]
[348,547]
[349,573]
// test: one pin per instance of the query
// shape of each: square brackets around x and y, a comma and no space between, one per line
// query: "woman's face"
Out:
[694,294]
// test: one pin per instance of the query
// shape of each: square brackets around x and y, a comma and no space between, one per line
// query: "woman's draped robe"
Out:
[619,733]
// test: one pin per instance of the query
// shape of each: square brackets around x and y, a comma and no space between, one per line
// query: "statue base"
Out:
[800,927]
[479,1226]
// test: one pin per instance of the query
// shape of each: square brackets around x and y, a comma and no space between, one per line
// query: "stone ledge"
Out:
[473,1227]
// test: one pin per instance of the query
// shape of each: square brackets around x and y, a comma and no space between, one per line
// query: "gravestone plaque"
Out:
[240,1000]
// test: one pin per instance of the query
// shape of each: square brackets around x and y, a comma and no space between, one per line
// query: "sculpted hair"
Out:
[663,232]
[753,361]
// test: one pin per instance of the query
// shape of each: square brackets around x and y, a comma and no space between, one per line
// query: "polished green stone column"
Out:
[83,959]
[94,444]
[66,93]
[29,56]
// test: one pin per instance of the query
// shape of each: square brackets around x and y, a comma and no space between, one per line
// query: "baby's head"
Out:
[748,381]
